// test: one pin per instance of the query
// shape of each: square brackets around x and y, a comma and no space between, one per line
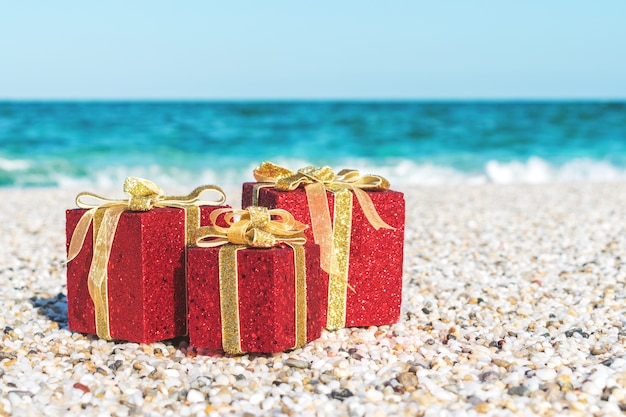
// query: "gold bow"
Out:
[253,228]
[105,215]
[287,180]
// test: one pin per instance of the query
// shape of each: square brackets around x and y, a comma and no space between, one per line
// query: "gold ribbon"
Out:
[256,227]
[105,214]
[333,237]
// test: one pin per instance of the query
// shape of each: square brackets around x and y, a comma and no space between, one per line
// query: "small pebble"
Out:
[374,395]
[297,363]
[341,394]
[81,387]
[545,373]
[520,390]
[21,393]
[489,376]
[195,396]
[607,362]
[327,377]
[116,365]
[221,379]
[407,379]
[598,351]
[256,399]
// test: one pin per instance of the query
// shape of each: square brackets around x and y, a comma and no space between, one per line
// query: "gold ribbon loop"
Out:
[256,227]
[143,196]
[193,198]
[365,182]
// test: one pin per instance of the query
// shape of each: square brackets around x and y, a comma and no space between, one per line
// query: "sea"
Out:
[97,144]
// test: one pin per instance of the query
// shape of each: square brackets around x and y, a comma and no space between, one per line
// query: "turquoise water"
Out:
[67,144]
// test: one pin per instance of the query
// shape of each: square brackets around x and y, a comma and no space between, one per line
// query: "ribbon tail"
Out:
[300,285]
[208,237]
[320,222]
[256,190]
[369,210]
[193,198]
[97,280]
[79,234]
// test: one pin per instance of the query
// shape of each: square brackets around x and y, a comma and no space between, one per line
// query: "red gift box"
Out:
[373,295]
[145,274]
[266,303]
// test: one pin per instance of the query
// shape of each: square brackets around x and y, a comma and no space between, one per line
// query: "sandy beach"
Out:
[514,304]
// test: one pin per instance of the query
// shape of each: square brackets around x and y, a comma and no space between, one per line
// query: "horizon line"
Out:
[315,99]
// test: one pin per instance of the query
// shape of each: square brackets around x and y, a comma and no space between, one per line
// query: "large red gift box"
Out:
[373,295]
[145,277]
[266,292]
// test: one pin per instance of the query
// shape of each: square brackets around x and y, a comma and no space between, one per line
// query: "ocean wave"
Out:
[536,171]
[400,172]
[9,165]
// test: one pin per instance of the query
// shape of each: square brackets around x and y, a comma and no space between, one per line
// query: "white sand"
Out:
[514,304]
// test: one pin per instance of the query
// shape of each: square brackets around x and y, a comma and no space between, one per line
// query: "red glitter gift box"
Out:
[373,293]
[266,306]
[254,286]
[145,279]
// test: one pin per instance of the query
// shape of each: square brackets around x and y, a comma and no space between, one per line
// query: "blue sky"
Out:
[345,49]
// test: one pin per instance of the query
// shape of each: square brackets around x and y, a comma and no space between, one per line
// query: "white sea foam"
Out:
[533,171]
[14,164]
[409,173]
[400,172]
[537,170]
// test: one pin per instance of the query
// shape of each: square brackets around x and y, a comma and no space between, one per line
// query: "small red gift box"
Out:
[267,303]
[255,286]
[372,258]
[143,286]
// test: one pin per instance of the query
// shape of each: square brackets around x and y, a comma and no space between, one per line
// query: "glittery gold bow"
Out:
[333,237]
[105,215]
[255,228]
